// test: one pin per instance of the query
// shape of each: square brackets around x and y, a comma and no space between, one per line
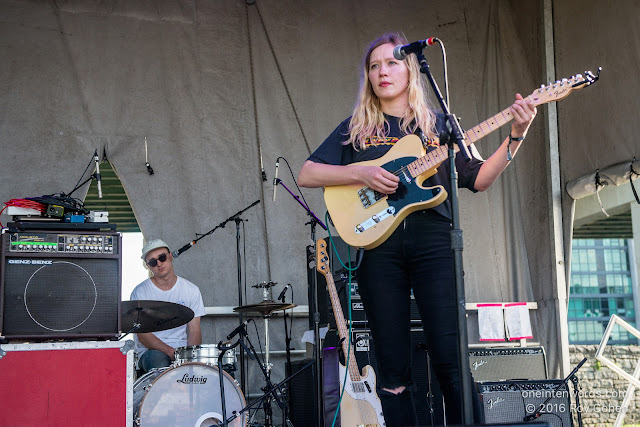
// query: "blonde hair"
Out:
[368,120]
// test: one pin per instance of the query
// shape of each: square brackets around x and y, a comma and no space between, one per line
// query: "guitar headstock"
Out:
[322,257]
[562,88]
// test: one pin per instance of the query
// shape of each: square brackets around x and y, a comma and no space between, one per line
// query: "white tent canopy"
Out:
[222,88]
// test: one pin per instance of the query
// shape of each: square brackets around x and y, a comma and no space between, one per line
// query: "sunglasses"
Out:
[154,261]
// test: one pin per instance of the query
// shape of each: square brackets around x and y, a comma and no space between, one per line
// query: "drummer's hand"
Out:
[171,353]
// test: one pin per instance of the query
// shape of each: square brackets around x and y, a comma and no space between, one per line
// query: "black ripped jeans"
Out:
[416,256]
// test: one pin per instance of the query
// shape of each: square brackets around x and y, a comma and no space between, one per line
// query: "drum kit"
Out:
[200,385]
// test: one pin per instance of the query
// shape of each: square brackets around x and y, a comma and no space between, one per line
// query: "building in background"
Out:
[604,266]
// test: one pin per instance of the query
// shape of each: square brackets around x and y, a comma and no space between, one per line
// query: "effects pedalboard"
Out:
[35,242]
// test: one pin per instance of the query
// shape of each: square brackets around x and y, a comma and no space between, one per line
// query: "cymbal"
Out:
[264,308]
[152,316]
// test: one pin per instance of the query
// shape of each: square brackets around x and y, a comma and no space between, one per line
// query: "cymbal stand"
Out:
[267,372]
[270,390]
[287,340]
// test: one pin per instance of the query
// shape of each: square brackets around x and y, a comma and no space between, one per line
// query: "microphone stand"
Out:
[455,135]
[238,220]
[94,175]
[313,299]
[287,341]
[270,389]
[565,382]
[224,348]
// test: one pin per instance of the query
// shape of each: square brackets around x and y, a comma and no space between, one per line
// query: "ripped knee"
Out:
[396,390]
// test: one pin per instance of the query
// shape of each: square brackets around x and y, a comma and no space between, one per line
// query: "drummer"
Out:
[157,349]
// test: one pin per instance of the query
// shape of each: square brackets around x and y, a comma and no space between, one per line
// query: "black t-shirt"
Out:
[335,150]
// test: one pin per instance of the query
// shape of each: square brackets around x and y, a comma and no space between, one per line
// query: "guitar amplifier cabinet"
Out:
[511,401]
[67,383]
[60,284]
[513,363]
[341,279]
[303,401]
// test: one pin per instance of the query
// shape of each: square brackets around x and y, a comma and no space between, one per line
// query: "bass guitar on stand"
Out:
[360,405]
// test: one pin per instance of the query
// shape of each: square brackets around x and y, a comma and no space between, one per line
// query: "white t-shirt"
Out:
[183,292]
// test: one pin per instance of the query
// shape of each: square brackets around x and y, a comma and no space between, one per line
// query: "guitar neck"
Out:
[439,155]
[342,327]
[552,92]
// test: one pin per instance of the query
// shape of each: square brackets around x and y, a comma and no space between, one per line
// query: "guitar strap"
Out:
[425,143]
[423,138]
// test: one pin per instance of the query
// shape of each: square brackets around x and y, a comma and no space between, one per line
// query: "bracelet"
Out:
[511,139]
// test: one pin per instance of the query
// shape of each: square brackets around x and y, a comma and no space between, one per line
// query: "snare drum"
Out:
[207,353]
[186,395]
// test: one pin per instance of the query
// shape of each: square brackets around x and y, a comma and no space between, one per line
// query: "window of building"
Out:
[601,285]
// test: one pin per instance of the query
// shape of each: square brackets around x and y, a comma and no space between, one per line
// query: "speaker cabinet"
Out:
[341,279]
[303,402]
[60,285]
[511,401]
[499,364]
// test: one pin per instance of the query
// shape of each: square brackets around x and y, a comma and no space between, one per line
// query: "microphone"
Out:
[177,252]
[284,291]
[98,176]
[401,52]
[275,179]
[239,329]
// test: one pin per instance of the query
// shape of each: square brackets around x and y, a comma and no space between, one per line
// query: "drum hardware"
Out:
[151,316]
[267,292]
[265,309]
[270,390]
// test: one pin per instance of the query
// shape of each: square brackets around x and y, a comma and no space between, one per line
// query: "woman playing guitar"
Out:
[416,256]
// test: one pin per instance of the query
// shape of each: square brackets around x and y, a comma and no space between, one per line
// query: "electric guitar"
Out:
[360,405]
[365,218]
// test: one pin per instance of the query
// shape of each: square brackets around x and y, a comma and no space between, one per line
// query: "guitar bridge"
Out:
[369,197]
[375,219]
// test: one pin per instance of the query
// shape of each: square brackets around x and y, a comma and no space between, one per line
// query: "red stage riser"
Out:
[58,385]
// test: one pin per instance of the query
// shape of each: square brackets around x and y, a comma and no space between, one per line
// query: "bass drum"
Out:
[186,395]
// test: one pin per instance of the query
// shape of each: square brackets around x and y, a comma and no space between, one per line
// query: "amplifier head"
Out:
[513,363]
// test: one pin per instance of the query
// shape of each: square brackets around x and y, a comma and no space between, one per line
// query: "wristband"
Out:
[511,139]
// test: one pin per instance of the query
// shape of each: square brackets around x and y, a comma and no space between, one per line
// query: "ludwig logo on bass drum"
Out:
[186,379]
